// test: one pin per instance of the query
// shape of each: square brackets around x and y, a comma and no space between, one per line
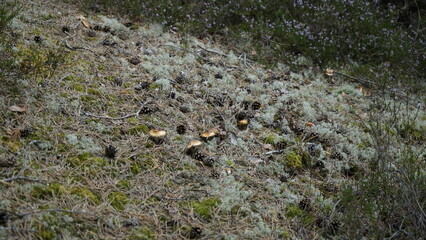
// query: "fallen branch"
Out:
[135,114]
[59,210]
[67,45]
[115,118]
[23,178]
[213,51]
[274,152]
[18,229]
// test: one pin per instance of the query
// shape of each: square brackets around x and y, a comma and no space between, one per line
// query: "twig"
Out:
[18,229]
[67,45]
[274,152]
[59,210]
[135,114]
[115,118]
[23,178]
[213,51]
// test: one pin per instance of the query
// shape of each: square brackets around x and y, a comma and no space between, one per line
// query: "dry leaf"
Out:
[15,108]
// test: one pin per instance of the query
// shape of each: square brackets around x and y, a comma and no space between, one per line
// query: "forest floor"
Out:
[78,161]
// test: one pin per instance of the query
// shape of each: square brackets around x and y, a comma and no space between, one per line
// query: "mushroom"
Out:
[157,136]
[242,124]
[192,146]
[210,134]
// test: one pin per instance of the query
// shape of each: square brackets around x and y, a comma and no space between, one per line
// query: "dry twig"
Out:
[23,178]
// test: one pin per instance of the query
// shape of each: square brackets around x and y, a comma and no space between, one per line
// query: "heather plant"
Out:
[381,40]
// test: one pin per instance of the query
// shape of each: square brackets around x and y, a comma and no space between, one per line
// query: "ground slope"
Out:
[78,160]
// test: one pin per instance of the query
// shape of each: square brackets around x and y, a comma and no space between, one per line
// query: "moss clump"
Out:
[139,129]
[94,91]
[135,168]
[293,160]
[78,87]
[132,121]
[86,159]
[205,207]
[293,211]
[52,190]
[125,184]
[272,139]
[86,194]
[142,233]
[118,200]
[46,235]
[308,219]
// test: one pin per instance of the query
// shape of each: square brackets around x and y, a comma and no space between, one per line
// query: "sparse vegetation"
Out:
[126,128]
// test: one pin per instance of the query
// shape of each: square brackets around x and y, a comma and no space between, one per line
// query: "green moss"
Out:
[94,91]
[125,184]
[135,168]
[86,159]
[72,78]
[52,190]
[132,121]
[308,219]
[127,84]
[271,139]
[85,193]
[46,235]
[118,200]
[204,208]
[293,211]
[293,160]
[78,87]
[139,129]
[154,86]
[142,233]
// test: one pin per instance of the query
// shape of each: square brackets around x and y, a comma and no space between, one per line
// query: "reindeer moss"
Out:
[118,200]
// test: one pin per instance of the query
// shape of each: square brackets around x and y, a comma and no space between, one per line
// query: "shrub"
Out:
[364,35]
[7,13]
[390,199]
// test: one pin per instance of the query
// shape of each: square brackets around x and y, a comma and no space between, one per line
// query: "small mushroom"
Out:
[192,147]
[157,136]
[210,134]
[329,72]
[242,124]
